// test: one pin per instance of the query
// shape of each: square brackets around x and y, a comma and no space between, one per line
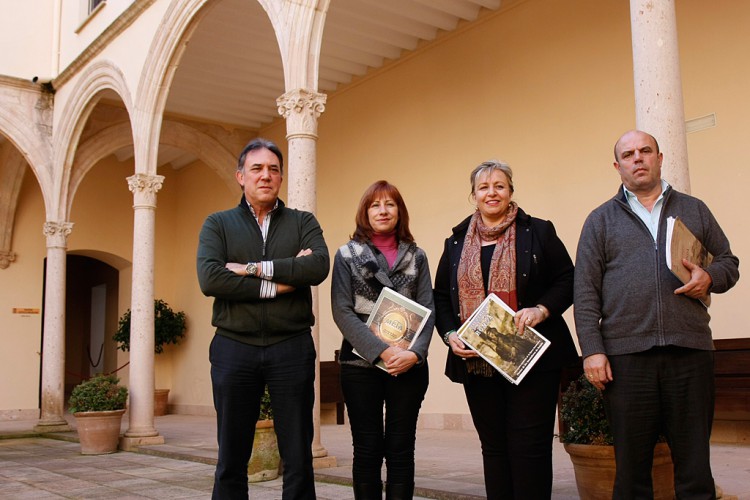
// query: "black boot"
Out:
[399,491]
[368,491]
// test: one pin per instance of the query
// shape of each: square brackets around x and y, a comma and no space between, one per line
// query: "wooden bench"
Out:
[732,376]
[330,386]
[732,380]
[732,369]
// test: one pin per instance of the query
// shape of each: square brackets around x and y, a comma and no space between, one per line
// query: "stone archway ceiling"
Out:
[231,72]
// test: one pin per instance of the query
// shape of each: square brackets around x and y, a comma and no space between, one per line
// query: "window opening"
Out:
[93,4]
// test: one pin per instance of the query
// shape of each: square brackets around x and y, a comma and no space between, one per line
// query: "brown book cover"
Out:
[682,244]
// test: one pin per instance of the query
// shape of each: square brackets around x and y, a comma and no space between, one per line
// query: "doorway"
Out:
[91,304]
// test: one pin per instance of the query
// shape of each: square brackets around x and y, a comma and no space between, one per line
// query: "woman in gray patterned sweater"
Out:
[381,253]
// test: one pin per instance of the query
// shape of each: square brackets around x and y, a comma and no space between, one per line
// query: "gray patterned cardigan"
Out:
[360,271]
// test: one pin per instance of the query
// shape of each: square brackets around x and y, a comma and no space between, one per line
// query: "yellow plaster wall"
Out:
[102,210]
[21,287]
[102,213]
[188,196]
[523,87]
[103,217]
[549,89]
[715,71]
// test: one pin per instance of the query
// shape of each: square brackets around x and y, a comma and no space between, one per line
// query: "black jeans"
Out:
[516,425]
[366,390]
[239,373]
[666,390]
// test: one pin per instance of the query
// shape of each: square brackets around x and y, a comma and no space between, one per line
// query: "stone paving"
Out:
[448,466]
[40,468]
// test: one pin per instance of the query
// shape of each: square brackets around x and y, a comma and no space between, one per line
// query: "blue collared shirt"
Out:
[651,219]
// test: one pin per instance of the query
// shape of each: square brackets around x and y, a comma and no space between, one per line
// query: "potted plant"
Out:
[98,405]
[265,460]
[169,328]
[588,440]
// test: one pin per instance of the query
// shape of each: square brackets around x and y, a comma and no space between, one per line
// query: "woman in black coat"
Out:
[500,249]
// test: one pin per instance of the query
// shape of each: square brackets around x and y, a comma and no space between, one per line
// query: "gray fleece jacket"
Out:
[624,293]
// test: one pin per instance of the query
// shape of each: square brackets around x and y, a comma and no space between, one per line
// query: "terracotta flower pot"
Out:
[265,460]
[161,397]
[98,431]
[594,468]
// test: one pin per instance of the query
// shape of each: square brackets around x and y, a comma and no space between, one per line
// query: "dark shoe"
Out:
[368,491]
[399,491]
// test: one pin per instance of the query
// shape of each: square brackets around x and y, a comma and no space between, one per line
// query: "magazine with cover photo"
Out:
[396,320]
[492,333]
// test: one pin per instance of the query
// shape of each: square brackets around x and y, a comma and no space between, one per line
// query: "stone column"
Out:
[141,428]
[53,345]
[301,109]
[658,85]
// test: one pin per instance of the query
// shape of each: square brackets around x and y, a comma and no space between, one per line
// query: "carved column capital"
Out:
[301,109]
[144,188]
[6,257]
[57,233]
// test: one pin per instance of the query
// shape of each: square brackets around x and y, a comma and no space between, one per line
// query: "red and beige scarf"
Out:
[502,278]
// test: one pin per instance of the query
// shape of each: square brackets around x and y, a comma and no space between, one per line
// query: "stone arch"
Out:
[301,54]
[99,77]
[12,170]
[209,150]
[179,21]
[26,121]
[25,125]
[177,134]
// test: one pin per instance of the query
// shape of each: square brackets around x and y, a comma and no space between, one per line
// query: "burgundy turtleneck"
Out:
[387,244]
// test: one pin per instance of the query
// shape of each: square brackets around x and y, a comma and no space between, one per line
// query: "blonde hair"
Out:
[488,167]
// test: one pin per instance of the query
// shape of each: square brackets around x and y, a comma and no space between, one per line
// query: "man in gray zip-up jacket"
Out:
[644,336]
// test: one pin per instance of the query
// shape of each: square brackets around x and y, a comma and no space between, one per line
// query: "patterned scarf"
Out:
[502,278]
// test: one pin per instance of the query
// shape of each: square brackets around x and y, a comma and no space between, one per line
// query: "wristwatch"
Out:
[251,269]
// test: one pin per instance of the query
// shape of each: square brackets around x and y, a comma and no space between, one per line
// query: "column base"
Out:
[324,462]
[318,450]
[52,426]
[129,443]
[141,432]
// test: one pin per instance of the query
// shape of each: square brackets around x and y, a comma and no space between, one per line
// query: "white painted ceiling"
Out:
[231,71]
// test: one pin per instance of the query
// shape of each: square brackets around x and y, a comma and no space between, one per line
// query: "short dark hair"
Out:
[364,230]
[261,143]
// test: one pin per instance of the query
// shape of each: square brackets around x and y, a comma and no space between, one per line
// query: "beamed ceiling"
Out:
[231,72]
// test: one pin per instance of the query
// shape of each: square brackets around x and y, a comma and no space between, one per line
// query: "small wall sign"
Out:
[26,310]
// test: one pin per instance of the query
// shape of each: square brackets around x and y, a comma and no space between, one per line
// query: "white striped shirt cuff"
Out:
[267,289]
[266,269]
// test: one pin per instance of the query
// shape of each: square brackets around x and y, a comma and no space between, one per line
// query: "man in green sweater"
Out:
[259,260]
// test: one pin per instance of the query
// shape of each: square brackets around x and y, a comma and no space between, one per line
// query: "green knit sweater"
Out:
[239,312]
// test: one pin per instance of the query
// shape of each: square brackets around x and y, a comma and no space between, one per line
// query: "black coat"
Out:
[544,275]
